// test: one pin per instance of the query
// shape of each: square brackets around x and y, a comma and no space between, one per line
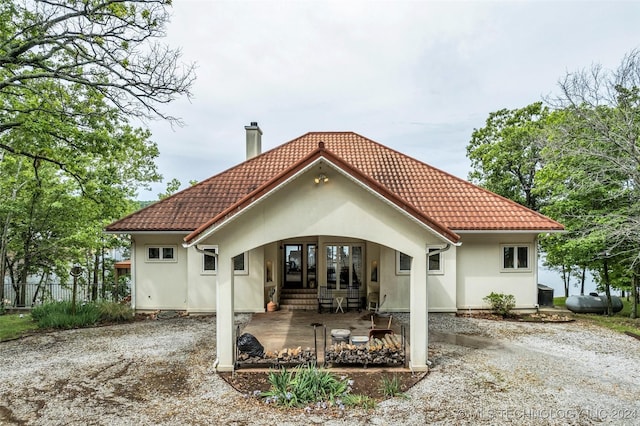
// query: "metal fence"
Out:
[28,295]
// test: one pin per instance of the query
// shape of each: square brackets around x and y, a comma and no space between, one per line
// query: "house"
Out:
[332,212]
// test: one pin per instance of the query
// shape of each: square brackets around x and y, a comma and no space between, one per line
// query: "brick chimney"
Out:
[254,140]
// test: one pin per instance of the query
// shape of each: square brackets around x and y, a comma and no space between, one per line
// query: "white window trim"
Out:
[161,247]
[212,271]
[440,255]
[515,267]
[398,264]
[244,271]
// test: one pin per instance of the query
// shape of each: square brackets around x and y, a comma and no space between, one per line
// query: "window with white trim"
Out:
[241,264]
[210,262]
[209,259]
[515,257]
[161,253]
[435,264]
[403,263]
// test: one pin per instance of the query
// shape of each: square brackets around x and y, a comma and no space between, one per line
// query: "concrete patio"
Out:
[290,329]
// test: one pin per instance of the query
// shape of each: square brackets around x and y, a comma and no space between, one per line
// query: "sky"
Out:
[417,76]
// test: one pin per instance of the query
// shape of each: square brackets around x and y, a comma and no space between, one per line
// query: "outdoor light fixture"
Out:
[321,178]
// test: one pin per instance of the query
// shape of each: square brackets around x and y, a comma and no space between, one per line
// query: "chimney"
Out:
[254,140]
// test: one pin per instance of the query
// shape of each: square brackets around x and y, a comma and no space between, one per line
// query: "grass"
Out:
[392,387]
[619,322]
[12,326]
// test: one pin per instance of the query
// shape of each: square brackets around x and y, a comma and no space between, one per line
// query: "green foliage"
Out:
[501,303]
[310,385]
[15,325]
[392,388]
[358,400]
[114,312]
[59,314]
[505,154]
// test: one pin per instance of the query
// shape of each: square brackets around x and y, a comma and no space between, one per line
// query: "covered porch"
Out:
[341,235]
[291,329]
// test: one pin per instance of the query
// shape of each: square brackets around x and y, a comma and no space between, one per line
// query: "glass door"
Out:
[293,266]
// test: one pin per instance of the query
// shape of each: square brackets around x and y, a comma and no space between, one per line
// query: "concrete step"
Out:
[294,301]
[297,307]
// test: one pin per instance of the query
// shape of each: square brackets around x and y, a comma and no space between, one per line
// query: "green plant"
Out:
[501,303]
[114,312]
[310,385]
[3,305]
[59,315]
[392,387]
[356,400]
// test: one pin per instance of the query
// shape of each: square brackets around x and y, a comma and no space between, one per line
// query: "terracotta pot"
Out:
[272,307]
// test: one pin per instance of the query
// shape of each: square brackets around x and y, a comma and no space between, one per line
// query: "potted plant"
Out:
[272,306]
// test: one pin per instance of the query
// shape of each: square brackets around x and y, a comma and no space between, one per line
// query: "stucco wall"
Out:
[159,285]
[479,270]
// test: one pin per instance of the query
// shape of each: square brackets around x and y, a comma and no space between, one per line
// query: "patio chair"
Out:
[373,301]
[353,298]
[325,299]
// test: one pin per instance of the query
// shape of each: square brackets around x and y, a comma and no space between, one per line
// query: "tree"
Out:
[65,63]
[505,154]
[595,155]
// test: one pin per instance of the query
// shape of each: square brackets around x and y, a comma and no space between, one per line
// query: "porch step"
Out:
[298,299]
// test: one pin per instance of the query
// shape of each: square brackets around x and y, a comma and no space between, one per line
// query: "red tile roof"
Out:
[443,201]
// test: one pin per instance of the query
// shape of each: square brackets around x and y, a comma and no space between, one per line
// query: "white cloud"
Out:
[417,76]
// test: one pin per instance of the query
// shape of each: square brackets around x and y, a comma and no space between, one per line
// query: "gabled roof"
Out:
[443,201]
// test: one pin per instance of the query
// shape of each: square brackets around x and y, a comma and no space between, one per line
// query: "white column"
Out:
[419,321]
[224,313]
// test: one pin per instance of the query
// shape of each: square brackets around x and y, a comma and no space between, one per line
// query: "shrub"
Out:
[114,312]
[310,385]
[58,314]
[501,303]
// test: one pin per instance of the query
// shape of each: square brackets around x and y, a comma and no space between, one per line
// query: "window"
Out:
[209,259]
[515,257]
[403,263]
[161,253]
[240,264]
[344,266]
[435,264]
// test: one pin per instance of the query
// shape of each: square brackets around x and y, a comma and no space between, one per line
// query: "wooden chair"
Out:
[325,299]
[373,302]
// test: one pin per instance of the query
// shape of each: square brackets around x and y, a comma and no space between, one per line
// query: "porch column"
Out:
[224,314]
[418,335]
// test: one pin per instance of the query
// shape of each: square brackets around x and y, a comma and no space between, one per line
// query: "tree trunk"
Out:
[634,293]
[607,288]
[565,280]
[582,279]
[96,270]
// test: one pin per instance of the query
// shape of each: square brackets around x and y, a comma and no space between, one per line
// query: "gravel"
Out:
[483,372]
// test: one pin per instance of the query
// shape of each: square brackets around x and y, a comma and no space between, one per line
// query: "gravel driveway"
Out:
[484,372]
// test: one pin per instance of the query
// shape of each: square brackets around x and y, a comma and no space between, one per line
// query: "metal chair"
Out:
[353,298]
[325,299]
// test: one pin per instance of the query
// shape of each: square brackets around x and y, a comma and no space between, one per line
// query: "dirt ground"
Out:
[364,382]
[161,372]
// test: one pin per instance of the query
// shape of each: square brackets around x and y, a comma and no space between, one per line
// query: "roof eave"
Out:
[302,166]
